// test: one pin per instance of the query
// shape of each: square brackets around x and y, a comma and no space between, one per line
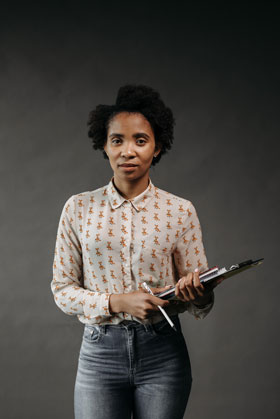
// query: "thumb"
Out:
[161,289]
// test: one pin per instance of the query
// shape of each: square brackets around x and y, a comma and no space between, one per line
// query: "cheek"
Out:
[112,154]
[148,156]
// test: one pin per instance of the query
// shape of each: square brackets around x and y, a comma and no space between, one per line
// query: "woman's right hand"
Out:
[139,304]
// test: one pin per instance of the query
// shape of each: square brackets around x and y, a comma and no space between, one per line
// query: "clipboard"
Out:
[206,279]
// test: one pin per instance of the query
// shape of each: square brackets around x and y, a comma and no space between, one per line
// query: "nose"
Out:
[128,150]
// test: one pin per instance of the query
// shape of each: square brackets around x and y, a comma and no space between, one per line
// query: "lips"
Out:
[128,165]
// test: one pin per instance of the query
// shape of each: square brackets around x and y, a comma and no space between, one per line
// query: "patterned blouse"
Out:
[109,244]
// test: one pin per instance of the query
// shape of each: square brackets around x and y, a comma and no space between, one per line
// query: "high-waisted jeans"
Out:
[132,370]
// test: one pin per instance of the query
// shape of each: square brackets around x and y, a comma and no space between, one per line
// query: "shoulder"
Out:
[84,199]
[169,198]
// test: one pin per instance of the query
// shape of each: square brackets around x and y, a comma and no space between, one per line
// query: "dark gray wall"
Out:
[218,70]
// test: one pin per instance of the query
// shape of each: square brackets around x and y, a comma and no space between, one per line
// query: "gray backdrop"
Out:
[217,68]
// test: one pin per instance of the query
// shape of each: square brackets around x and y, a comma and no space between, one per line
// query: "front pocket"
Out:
[92,333]
[163,328]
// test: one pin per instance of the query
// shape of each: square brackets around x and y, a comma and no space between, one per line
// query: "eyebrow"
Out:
[137,135]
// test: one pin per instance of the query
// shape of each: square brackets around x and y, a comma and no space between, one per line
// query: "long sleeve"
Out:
[69,294]
[189,254]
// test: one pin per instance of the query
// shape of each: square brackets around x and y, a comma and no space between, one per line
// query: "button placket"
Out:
[131,248]
[127,281]
[129,245]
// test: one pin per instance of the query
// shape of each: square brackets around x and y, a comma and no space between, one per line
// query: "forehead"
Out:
[129,121]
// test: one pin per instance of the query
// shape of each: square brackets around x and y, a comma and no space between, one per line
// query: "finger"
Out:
[191,291]
[190,287]
[185,286]
[158,301]
[178,291]
[194,286]
[196,281]
[184,292]
[197,284]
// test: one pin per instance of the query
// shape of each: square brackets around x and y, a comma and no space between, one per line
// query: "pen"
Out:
[161,309]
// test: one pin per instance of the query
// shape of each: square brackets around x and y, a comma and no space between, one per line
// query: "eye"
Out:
[143,141]
[115,139]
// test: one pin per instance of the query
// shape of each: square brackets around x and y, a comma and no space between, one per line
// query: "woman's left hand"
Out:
[189,288]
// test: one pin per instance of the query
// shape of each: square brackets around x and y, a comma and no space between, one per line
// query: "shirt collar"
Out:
[139,202]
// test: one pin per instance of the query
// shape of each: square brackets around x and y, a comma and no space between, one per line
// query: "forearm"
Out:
[73,299]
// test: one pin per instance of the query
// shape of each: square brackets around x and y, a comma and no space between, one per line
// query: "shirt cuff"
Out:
[202,311]
[97,308]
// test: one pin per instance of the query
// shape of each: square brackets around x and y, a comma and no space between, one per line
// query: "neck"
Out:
[131,189]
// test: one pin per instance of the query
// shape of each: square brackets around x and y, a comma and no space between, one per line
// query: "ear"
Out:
[157,149]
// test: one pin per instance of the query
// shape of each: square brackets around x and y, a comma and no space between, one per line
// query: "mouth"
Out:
[128,165]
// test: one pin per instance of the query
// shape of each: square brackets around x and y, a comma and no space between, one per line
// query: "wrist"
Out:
[115,303]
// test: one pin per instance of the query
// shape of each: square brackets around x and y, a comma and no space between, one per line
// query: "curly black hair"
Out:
[134,99]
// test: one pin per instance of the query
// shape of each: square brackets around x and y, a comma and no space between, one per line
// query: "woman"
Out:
[109,242]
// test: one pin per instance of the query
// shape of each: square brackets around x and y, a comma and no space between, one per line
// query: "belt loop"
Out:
[148,327]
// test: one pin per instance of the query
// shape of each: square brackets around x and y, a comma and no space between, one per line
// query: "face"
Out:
[130,140]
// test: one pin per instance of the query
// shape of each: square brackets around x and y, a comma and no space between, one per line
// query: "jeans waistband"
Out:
[128,324]
[123,325]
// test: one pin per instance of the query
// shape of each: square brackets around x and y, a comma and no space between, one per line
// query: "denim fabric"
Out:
[132,370]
